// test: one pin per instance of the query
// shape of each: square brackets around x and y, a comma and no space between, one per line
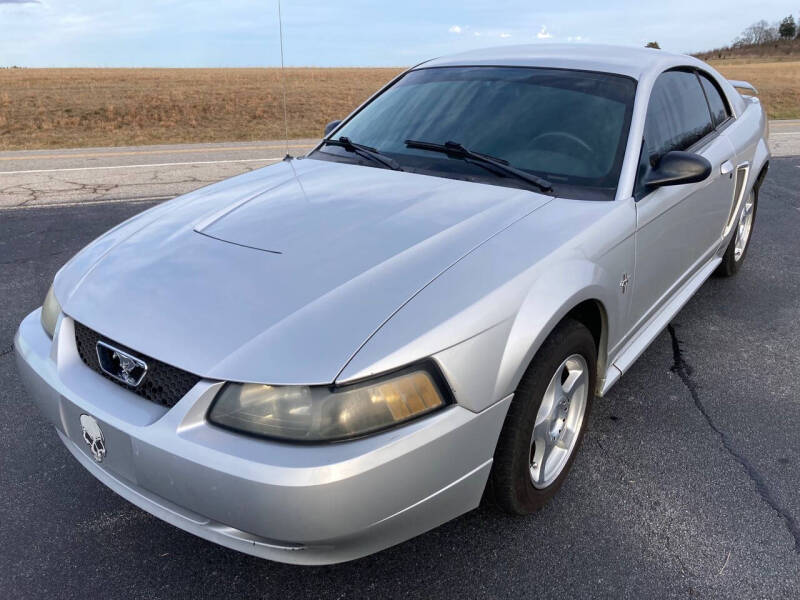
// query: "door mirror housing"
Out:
[331,126]
[677,168]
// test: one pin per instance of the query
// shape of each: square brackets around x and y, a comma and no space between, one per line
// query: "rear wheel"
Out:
[546,421]
[737,248]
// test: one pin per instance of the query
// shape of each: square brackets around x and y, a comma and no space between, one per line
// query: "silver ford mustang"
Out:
[319,359]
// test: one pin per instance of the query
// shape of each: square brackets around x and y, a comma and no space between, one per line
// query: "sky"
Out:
[239,33]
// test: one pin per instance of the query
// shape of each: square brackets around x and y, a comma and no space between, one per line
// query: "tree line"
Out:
[761,32]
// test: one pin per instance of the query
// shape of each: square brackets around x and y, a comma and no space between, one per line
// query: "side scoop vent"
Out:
[738,195]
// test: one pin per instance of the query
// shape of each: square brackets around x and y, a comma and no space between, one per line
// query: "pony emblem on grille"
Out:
[120,365]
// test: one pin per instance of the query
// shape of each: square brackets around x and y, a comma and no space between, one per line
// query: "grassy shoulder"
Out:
[69,108]
[777,81]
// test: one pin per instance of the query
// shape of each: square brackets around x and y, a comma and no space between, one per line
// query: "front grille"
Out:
[162,384]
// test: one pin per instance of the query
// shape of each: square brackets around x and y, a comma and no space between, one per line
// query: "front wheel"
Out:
[546,420]
[737,248]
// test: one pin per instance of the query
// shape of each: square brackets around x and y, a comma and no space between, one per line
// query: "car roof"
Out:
[623,60]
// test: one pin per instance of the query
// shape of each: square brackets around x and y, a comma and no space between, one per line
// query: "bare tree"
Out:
[758,33]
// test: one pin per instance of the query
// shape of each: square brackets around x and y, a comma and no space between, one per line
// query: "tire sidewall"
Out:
[750,238]
[730,266]
[570,338]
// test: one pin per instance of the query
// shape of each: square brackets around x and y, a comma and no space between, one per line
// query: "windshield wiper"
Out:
[492,163]
[365,151]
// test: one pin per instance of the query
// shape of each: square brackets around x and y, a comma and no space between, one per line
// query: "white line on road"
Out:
[784,133]
[88,203]
[175,164]
[106,153]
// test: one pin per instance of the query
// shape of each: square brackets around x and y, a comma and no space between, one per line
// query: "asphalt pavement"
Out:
[686,485]
[38,178]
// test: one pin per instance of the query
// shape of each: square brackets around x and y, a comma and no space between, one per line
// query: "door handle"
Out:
[726,168]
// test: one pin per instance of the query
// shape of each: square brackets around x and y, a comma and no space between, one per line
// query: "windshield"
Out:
[568,127]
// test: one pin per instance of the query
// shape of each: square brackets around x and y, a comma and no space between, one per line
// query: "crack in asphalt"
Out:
[685,371]
[32,190]
[6,351]
[29,193]
[24,191]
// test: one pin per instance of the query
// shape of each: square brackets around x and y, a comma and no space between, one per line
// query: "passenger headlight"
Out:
[50,311]
[315,414]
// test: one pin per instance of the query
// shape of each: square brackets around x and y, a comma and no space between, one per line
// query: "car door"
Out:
[723,117]
[678,228]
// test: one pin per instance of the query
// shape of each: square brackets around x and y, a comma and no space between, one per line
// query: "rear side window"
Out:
[719,110]
[677,115]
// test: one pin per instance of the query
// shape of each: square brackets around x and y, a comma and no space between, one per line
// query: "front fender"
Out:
[484,319]
[543,309]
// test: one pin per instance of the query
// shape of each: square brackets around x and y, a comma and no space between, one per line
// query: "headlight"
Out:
[316,414]
[50,311]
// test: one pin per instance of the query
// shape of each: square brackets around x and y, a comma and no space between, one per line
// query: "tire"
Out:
[511,482]
[734,254]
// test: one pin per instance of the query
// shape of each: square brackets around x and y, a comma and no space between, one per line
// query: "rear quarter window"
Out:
[719,108]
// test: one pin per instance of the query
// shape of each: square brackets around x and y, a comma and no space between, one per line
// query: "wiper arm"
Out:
[365,151]
[492,163]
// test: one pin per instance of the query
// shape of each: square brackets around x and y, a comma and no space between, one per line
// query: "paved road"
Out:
[64,177]
[686,486]
[784,137]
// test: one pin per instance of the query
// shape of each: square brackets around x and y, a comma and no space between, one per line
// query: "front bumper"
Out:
[303,504]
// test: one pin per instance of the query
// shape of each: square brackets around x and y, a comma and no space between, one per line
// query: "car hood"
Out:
[280,275]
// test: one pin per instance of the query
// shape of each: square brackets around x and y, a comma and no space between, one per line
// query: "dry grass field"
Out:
[778,82]
[49,108]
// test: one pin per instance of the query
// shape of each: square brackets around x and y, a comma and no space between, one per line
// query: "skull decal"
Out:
[93,437]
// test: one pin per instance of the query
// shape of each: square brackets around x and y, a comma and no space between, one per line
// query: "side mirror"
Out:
[331,126]
[676,168]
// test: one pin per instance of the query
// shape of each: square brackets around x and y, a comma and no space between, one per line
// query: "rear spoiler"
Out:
[743,86]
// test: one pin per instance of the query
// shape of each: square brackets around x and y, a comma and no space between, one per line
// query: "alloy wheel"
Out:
[559,421]
[744,227]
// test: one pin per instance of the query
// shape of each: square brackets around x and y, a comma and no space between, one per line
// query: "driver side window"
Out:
[677,117]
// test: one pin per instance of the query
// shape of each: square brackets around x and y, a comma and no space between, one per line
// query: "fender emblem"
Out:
[624,283]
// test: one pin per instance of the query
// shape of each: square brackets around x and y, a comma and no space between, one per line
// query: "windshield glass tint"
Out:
[569,127]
